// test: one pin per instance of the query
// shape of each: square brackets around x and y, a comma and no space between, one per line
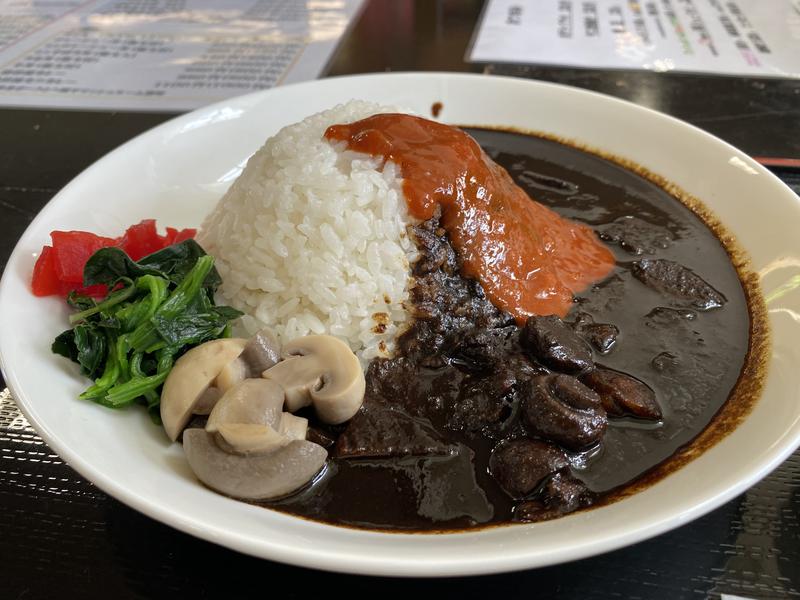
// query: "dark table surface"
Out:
[61,537]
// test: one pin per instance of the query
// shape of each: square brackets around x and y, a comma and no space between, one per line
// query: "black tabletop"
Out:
[61,537]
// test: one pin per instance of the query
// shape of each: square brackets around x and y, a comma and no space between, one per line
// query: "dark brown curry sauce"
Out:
[691,358]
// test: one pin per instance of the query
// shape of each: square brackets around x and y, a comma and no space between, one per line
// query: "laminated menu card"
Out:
[160,54]
[731,37]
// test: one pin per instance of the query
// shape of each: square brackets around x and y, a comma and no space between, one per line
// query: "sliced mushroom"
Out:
[248,416]
[207,401]
[323,371]
[249,438]
[234,372]
[261,477]
[293,427]
[192,374]
[263,350]
[253,401]
[255,438]
[260,353]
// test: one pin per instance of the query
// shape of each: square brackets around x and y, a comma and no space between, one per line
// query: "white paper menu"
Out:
[161,54]
[732,37]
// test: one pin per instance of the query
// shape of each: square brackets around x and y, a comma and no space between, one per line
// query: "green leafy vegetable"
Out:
[156,309]
[109,265]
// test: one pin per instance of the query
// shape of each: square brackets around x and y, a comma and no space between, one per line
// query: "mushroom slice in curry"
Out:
[293,427]
[249,439]
[256,401]
[251,447]
[192,375]
[247,418]
[323,371]
[257,477]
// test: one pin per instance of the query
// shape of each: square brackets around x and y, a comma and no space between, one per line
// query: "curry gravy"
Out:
[443,417]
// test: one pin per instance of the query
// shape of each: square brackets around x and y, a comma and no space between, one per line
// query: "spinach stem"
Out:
[109,376]
[113,299]
[125,393]
[145,336]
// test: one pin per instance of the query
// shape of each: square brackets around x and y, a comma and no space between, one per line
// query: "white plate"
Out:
[177,171]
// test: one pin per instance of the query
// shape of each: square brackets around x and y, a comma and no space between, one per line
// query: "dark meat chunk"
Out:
[520,466]
[680,282]
[623,395]
[427,339]
[636,236]
[476,410]
[602,336]
[523,367]
[445,305]
[509,426]
[562,494]
[433,361]
[490,404]
[561,409]
[482,402]
[480,351]
[417,390]
[432,246]
[390,379]
[381,432]
[553,343]
[532,511]
[567,492]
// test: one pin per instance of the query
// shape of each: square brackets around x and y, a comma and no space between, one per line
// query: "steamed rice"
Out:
[312,238]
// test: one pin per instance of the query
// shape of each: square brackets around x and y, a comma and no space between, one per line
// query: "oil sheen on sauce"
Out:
[529,260]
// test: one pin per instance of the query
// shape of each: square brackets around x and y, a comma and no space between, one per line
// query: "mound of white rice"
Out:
[312,238]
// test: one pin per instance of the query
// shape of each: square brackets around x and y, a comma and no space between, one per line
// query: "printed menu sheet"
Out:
[161,54]
[733,37]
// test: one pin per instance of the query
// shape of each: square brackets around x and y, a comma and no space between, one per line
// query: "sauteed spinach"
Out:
[155,310]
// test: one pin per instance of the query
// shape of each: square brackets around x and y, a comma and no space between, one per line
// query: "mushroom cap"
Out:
[323,371]
[252,401]
[248,416]
[231,374]
[190,376]
[249,438]
[207,401]
[293,427]
[262,477]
